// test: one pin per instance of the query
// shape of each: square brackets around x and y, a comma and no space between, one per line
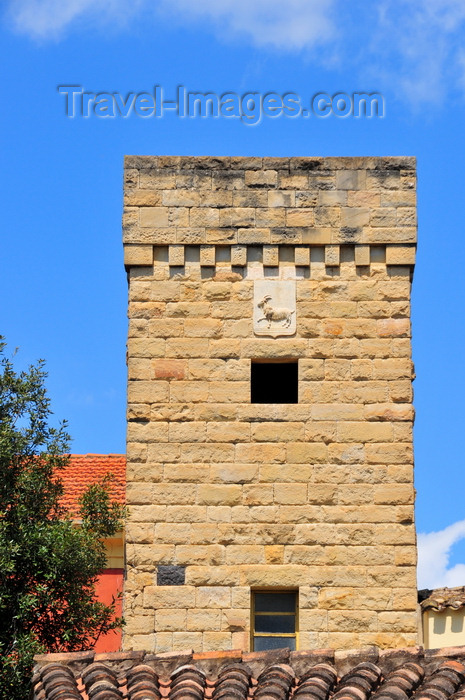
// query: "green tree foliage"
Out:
[48,564]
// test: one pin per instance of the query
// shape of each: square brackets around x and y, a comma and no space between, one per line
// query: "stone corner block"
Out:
[138,254]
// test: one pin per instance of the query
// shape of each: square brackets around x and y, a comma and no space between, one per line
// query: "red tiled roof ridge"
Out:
[324,674]
[98,454]
[369,653]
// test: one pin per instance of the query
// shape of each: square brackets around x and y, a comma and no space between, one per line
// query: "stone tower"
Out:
[269,444]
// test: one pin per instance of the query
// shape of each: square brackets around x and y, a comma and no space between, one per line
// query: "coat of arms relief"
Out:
[274,312]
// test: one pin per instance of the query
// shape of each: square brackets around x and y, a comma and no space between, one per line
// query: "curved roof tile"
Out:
[401,674]
[442,598]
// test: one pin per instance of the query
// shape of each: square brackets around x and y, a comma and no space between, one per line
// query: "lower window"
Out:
[274,620]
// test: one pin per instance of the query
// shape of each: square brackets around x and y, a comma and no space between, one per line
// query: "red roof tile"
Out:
[278,675]
[441,598]
[83,470]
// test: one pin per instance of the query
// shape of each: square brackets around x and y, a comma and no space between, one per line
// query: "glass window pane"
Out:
[275,623]
[264,643]
[275,602]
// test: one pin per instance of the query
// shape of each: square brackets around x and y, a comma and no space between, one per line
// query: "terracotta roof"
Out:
[83,470]
[442,598]
[370,674]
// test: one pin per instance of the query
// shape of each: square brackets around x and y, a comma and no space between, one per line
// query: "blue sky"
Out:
[62,280]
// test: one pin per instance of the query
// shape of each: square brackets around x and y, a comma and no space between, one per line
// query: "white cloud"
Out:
[416,46]
[49,19]
[434,550]
[291,25]
[411,46]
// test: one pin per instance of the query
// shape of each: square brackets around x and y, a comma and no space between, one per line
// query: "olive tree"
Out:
[48,564]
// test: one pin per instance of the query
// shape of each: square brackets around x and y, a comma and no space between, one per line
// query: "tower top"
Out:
[212,202]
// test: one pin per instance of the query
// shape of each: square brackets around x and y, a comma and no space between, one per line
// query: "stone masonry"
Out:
[227,496]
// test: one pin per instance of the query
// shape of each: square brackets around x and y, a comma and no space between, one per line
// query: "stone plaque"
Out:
[274,308]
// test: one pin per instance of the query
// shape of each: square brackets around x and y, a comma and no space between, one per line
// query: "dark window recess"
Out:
[171,575]
[274,382]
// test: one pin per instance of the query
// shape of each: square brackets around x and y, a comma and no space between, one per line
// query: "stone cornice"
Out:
[239,202]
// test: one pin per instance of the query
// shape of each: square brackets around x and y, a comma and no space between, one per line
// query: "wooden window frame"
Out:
[295,615]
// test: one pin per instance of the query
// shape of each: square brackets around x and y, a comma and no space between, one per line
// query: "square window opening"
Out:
[274,382]
[274,622]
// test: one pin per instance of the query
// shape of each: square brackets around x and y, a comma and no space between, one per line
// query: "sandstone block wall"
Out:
[316,496]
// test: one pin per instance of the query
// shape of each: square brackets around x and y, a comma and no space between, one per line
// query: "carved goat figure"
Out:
[271,314]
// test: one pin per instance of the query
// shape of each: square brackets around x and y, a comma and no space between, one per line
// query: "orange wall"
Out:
[109,585]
